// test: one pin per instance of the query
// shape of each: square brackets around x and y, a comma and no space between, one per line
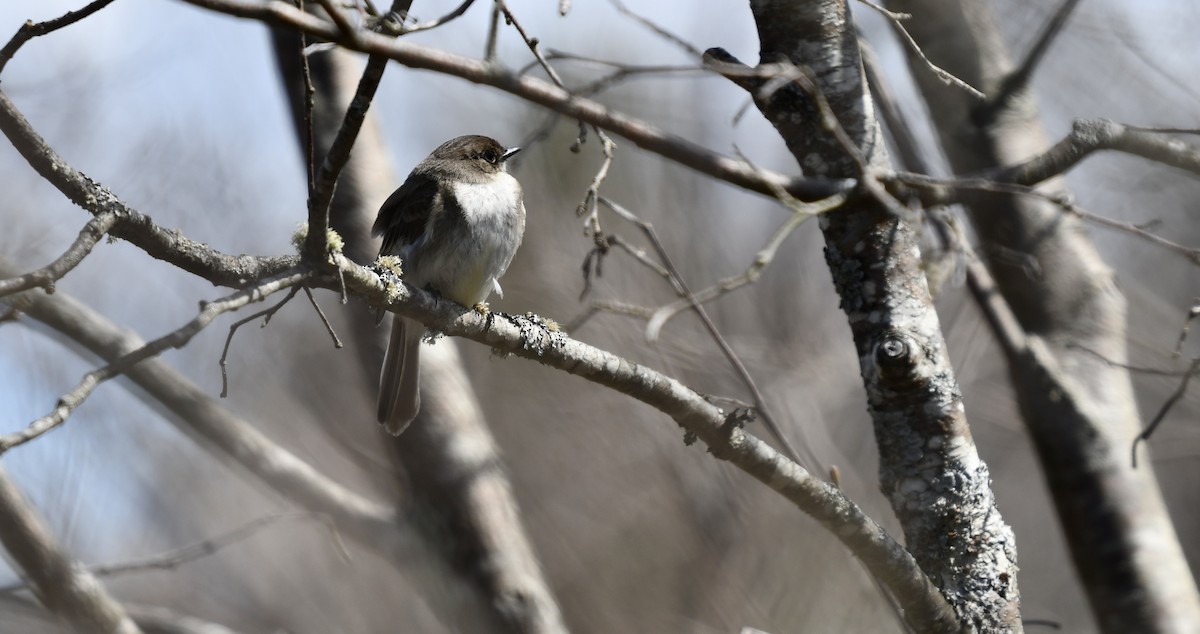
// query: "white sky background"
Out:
[156,82]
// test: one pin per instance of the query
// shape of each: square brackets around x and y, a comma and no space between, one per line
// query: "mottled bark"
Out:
[1077,402]
[929,468]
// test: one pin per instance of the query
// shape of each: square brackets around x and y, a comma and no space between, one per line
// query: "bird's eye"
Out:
[491,156]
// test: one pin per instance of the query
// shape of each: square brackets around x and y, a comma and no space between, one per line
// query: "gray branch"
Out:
[1079,408]
[63,585]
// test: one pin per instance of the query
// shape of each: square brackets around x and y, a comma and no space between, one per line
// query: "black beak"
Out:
[509,153]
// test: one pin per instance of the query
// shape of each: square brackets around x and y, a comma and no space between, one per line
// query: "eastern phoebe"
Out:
[455,223]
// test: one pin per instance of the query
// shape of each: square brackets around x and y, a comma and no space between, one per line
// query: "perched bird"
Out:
[455,223]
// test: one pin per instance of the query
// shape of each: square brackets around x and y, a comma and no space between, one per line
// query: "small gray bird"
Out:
[455,223]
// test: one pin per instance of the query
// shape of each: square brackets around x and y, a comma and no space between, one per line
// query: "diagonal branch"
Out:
[537,91]
[375,526]
[169,246]
[178,338]
[316,246]
[46,276]
[30,30]
[1018,80]
[532,338]
[63,585]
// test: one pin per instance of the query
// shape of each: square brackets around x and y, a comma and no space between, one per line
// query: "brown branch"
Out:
[63,585]
[948,78]
[677,281]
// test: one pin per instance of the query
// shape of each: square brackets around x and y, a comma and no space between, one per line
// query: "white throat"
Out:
[498,197]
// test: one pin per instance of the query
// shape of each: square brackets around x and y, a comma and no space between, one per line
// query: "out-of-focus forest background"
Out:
[181,113]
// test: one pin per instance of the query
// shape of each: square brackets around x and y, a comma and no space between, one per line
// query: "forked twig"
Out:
[1179,393]
[30,30]
[46,276]
[266,314]
[178,338]
[946,76]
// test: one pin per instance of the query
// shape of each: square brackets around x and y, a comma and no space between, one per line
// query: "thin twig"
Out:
[316,245]
[739,367]
[68,402]
[30,30]
[1192,315]
[942,74]
[310,105]
[1064,203]
[662,32]
[1017,80]
[615,307]
[176,557]
[1165,409]
[1136,369]
[489,48]
[337,343]
[46,276]
[433,24]
[266,314]
[800,212]
[339,18]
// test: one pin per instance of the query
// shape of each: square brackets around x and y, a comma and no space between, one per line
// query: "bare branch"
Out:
[947,77]
[433,24]
[1179,393]
[339,17]
[30,30]
[800,212]
[316,247]
[677,281]
[1018,80]
[530,338]
[169,246]
[337,343]
[64,586]
[46,276]
[662,32]
[1193,314]
[176,339]
[536,91]
[373,525]
[176,557]
[266,315]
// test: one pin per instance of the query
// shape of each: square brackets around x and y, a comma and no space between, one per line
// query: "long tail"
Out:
[399,396]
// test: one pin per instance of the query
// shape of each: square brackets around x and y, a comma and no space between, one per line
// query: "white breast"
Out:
[479,201]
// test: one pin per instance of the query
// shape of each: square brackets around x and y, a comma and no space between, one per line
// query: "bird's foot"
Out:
[489,317]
